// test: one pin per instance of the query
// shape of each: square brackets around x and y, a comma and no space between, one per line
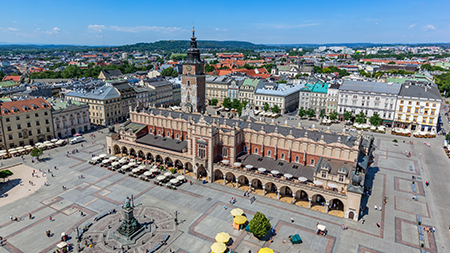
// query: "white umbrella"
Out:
[237,164]
[135,170]
[141,167]
[28,146]
[125,167]
[373,128]
[95,158]
[226,161]
[20,149]
[249,166]
[168,174]
[115,164]
[132,160]
[159,178]
[318,182]
[153,170]
[105,161]
[122,161]
[54,140]
[132,164]
[181,177]
[47,142]
[275,172]
[261,169]
[332,185]
[147,173]
[302,179]
[173,181]
[113,158]
[13,152]
[288,175]
[102,156]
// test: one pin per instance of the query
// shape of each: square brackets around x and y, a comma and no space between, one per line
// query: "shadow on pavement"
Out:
[368,187]
[5,187]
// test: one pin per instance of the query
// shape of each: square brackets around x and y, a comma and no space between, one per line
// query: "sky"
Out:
[114,22]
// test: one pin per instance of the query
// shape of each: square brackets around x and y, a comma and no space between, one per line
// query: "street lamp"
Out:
[176,218]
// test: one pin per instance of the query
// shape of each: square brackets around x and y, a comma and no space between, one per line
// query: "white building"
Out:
[418,108]
[369,97]
[285,96]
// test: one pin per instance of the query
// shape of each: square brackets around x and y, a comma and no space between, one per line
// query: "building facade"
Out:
[26,122]
[163,90]
[318,170]
[369,98]
[70,119]
[332,98]
[217,87]
[284,96]
[233,89]
[418,108]
[318,97]
[247,90]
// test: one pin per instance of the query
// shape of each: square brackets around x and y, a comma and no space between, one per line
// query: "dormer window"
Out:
[14,109]
[44,105]
[324,173]
[26,108]
[34,106]
[6,111]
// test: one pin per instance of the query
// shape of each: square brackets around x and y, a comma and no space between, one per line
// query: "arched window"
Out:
[269,153]
[188,83]
[256,150]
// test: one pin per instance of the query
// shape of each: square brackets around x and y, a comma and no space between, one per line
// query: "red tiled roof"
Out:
[7,107]
[13,78]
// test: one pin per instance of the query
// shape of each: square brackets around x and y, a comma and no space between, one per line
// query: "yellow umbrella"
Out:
[266,250]
[219,247]
[240,219]
[222,237]
[237,212]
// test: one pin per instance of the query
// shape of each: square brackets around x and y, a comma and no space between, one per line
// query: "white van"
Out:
[76,140]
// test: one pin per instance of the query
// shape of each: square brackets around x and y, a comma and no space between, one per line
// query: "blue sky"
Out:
[116,22]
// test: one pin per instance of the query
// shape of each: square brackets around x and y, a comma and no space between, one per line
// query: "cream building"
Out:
[217,87]
[418,108]
[26,122]
[285,96]
[69,118]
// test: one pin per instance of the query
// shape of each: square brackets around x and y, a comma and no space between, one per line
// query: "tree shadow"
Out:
[368,186]
[5,187]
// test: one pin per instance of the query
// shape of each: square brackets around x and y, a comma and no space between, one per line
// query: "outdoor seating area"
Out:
[422,134]
[367,127]
[14,152]
[401,132]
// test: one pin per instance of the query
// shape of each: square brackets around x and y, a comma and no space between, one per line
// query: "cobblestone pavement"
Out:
[201,206]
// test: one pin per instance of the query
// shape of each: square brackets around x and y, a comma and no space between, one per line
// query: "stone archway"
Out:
[257,186]
[318,203]
[124,151]
[116,149]
[336,208]
[201,173]
[243,183]
[158,159]
[189,169]
[301,199]
[150,158]
[132,153]
[168,161]
[73,131]
[179,166]
[271,190]
[286,194]
[218,177]
[140,155]
[230,179]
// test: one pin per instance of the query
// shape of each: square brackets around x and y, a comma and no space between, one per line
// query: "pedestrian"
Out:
[29,216]
[11,217]
[427,183]
[50,218]
[292,220]
[375,207]
[225,208]
[378,225]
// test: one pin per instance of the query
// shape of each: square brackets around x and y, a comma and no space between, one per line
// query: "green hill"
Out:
[177,45]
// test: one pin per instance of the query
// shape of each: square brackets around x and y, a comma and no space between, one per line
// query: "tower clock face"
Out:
[188,68]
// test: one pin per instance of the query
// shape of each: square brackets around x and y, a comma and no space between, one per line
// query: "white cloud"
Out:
[13,22]
[97,28]
[376,23]
[413,25]
[428,28]
[218,29]
[284,26]
[13,29]
[54,30]
[134,29]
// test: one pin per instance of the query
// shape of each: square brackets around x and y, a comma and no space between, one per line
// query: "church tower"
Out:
[193,80]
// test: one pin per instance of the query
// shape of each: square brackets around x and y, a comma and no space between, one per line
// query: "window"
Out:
[431,121]
[7,119]
[324,174]
[225,152]
[427,104]
[400,109]
[401,101]
[38,123]
[38,131]
[296,159]
[256,150]
[20,135]
[434,105]
[46,121]
[17,118]
[19,126]
[10,137]
[341,178]
[426,112]
[159,132]
[30,133]
[282,156]
[408,109]
[424,120]
[28,124]
[409,102]
[407,118]
[48,129]
[415,119]
[269,153]
[45,113]
[312,162]
[36,114]
[399,117]
[202,150]
[178,136]
[416,110]
[28,116]
[8,128]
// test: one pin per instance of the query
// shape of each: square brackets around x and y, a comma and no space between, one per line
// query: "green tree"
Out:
[333,115]
[259,225]
[214,102]
[2,74]
[214,61]
[167,71]
[5,174]
[209,68]
[375,119]
[266,107]
[391,62]
[174,73]
[236,103]
[301,112]
[275,109]
[311,113]
[226,102]
[36,152]
[322,114]
[360,118]
[348,115]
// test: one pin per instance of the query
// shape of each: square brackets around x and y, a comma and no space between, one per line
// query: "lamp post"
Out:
[176,218]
